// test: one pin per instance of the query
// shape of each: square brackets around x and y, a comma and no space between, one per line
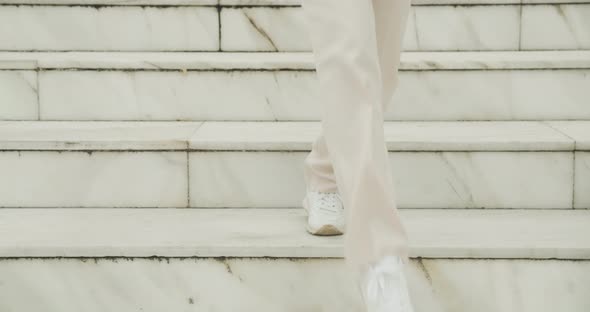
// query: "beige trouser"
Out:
[357,46]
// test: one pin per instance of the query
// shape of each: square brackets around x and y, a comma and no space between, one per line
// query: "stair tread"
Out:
[465,60]
[185,232]
[259,2]
[290,136]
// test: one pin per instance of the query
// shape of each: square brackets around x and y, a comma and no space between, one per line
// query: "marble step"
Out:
[180,26]
[528,165]
[280,233]
[506,85]
[284,284]
[195,259]
[262,3]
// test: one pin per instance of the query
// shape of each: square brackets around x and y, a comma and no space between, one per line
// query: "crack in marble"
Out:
[270,108]
[469,201]
[260,30]
[561,12]
[424,269]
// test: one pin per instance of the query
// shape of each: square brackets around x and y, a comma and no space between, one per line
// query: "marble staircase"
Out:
[151,156]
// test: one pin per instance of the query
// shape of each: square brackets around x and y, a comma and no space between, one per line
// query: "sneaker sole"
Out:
[324,230]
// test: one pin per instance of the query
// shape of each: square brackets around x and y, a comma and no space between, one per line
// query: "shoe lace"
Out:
[329,202]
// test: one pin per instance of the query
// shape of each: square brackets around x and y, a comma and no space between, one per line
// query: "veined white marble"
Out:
[181,61]
[292,95]
[263,29]
[467,27]
[400,136]
[422,179]
[283,136]
[39,135]
[491,95]
[18,95]
[101,179]
[272,29]
[414,2]
[582,180]
[432,233]
[207,95]
[108,28]
[579,131]
[558,26]
[115,2]
[268,285]
[429,28]
[263,2]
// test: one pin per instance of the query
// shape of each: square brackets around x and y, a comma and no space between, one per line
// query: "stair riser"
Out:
[261,285]
[275,179]
[422,179]
[82,28]
[286,95]
[197,28]
[429,28]
[101,179]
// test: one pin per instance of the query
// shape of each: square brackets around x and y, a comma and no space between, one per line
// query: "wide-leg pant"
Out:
[357,46]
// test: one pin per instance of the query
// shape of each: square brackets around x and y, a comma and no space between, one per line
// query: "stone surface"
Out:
[85,28]
[292,95]
[247,164]
[264,86]
[264,29]
[263,2]
[286,136]
[467,27]
[429,28]
[268,285]
[167,232]
[414,2]
[579,131]
[444,60]
[18,95]
[422,179]
[582,180]
[69,136]
[556,27]
[101,179]
[208,95]
[116,2]
[400,136]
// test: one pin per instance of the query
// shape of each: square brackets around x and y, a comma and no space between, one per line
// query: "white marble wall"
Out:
[261,285]
[423,179]
[108,28]
[582,180]
[93,179]
[556,26]
[292,95]
[18,95]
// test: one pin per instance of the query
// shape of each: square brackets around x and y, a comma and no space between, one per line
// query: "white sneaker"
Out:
[325,213]
[384,287]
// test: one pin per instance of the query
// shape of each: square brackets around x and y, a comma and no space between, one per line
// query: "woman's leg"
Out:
[390,27]
[353,91]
